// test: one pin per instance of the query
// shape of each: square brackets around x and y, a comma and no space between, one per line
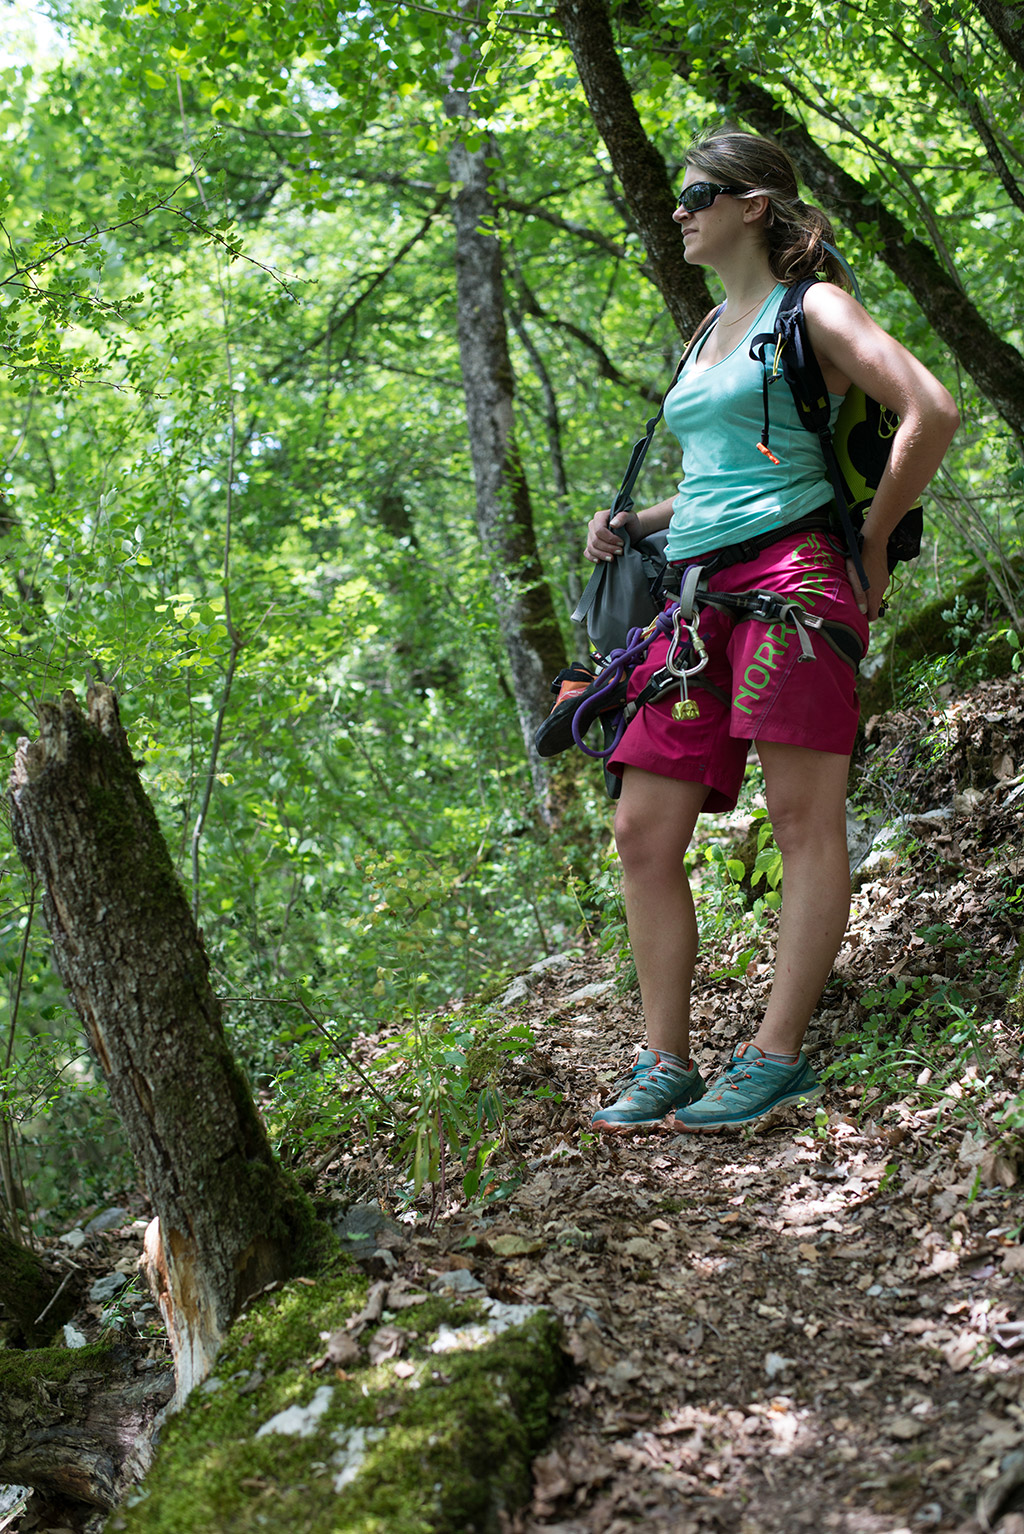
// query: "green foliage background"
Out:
[234,470]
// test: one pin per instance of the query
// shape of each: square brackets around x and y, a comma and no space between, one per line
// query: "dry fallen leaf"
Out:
[516,1246]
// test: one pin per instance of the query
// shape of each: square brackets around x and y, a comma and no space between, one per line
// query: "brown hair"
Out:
[796,231]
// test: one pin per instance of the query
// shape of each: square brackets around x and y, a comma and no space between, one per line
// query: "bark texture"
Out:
[996,367]
[638,164]
[1007,22]
[504,514]
[78,1425]
[228,1220]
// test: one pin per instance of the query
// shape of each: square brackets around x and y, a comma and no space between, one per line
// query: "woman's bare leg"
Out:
[806,796]
[654,822]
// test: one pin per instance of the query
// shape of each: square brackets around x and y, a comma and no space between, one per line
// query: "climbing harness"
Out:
[687,657]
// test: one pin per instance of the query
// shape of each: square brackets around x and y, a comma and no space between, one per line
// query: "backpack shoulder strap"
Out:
[794,358]
[624,495]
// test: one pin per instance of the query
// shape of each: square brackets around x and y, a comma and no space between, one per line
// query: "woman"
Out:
[740,214]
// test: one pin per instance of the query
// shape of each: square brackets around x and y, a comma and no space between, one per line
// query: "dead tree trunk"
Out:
[76,1424]
[228,1219]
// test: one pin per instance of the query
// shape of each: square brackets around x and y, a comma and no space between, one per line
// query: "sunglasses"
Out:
[701,195]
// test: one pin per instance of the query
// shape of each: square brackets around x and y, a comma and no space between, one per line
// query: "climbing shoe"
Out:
[654,1088]
[750,1088]
[572,687]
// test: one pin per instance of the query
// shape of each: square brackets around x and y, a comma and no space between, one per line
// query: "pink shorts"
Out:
[768,693]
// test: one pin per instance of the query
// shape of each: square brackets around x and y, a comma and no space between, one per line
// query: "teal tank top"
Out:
[730,491]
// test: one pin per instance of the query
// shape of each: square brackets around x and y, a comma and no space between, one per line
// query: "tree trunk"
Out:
[29,1295]
[638,164]
[228,1220]
[77,1424]
[996,367]
[504,514]
[1007,22]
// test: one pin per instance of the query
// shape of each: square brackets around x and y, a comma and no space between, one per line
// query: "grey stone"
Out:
[107,1220]
[105,1288]
[360,1229]
[592,992]
[458,1281]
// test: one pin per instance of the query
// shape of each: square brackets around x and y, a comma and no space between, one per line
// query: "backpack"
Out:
[856,449]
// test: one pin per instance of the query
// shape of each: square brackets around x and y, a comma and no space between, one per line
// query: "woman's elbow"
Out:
[950,415]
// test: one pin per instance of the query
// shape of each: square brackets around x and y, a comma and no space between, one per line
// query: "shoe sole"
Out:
[644,1126]
[762,1118]
[555,735]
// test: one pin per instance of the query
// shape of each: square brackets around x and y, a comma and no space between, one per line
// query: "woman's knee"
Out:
[645,843]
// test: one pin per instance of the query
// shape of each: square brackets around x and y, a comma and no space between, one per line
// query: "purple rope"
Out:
[619,664]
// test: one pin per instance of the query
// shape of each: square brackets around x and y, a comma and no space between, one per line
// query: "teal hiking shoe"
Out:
[655,1087]
[749,1089]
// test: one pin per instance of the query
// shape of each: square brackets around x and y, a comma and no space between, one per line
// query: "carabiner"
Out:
[693,642]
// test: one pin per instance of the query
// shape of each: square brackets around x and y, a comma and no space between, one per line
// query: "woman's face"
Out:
[712,229]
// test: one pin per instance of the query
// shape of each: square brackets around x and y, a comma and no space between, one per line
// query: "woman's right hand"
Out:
[602,544]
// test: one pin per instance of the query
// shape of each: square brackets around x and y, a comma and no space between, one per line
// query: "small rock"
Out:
[460,1340]
[299,1421]
[501,1316]
[458,1281]
[353,1443]
[105,1288]
[639,1246]
[904,1427]
[555,961]
[361,1227]
[73,1338]
[775,1364]
[106,1221]
[592,992]
[518,991]
[73,1238]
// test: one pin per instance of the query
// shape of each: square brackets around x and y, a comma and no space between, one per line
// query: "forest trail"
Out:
[782,1331]
[815,1327]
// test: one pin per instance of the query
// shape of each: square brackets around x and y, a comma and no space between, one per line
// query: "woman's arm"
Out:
[603,545]
[852,348]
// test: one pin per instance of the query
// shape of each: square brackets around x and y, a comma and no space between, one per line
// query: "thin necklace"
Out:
[726,323]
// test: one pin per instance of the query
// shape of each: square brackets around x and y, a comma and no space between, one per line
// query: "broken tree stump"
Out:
[229,1220]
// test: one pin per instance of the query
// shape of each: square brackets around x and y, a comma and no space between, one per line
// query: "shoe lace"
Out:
[643,1075]
[737,1071]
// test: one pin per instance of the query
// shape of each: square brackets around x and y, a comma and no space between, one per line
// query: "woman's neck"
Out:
[746,283]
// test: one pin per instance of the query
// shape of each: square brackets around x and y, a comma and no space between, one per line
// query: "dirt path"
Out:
[785,1331]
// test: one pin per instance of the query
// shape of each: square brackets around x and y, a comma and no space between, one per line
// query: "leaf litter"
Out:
[819,1326]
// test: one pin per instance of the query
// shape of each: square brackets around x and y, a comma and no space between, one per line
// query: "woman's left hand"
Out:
[876,568]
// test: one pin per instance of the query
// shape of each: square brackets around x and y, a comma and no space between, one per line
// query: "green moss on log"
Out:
[20,1371]
[433,1443]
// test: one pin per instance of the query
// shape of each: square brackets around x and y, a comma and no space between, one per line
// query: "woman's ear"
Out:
[755,208]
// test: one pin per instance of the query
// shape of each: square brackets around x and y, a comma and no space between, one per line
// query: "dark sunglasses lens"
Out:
[696,197]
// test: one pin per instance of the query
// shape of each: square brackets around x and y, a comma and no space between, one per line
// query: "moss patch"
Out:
[927,633]
[423,1442]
